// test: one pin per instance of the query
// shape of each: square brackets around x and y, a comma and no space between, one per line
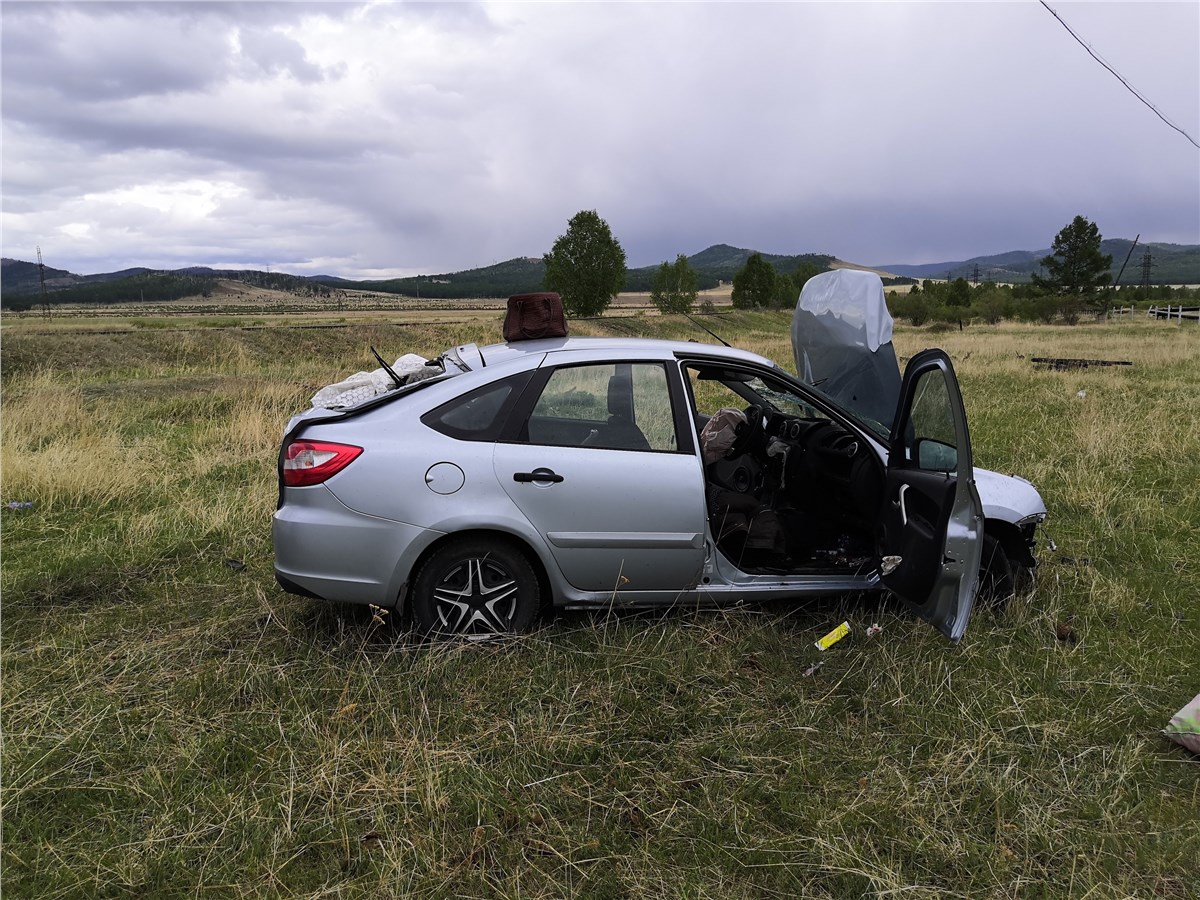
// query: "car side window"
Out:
[932,422]
[615,406]
[479,414]
[714,389]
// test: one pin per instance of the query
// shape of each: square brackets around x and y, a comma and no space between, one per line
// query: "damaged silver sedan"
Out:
[612,472]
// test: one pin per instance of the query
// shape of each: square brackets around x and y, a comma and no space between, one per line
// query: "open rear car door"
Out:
[931,526]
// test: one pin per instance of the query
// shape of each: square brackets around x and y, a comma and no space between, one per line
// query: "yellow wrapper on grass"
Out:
[833,637]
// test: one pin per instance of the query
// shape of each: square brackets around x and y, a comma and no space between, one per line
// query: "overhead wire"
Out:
[1118,75]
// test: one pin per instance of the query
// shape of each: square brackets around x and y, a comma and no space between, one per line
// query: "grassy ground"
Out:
[174,725]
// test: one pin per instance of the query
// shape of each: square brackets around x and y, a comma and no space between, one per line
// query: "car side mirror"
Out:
[934,456]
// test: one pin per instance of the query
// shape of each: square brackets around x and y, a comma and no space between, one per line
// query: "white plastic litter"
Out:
[1184,727]
[362,386]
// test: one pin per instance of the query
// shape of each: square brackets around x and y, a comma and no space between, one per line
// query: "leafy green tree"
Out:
[786,292]
[992,304]
[1044,309]
[959,293]
[586,265]
[803,272]
[754,283]
[1075,266]
[910,306]
[675,286]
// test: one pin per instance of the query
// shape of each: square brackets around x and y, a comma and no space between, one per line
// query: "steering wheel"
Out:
[748,433]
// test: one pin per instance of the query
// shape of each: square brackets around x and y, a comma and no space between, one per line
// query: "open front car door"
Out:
[931,525]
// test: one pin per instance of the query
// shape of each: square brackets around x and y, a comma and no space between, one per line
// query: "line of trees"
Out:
[151,288]
[160,287]
[958,301]
[1076,283]
[760,285]
[587,267]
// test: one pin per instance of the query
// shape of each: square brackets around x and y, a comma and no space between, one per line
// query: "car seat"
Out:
[620,432]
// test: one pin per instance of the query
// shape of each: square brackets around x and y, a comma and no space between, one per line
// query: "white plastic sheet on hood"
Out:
[842,341]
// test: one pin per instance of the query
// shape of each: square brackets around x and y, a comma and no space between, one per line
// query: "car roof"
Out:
[611,347]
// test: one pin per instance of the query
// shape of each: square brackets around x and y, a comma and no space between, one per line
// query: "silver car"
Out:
[611,472]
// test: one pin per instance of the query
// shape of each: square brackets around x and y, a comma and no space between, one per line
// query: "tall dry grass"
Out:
[175,726]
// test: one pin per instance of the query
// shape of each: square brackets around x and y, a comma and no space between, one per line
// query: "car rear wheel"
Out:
[475,588]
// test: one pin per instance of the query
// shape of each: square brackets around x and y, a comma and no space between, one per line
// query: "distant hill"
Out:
[515,276]
[20,277]
[720,262]
[21,290]
[19,280]
[1172,264]
[526,273]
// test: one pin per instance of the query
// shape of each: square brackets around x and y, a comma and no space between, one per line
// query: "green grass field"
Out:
[174,725]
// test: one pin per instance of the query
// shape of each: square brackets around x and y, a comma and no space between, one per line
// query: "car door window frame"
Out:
[515,429]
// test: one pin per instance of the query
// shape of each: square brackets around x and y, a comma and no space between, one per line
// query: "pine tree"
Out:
[1076,266]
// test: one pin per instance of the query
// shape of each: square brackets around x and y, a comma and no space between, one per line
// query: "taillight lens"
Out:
[312,462]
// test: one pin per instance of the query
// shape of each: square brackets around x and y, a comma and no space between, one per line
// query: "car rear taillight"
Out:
[312,462]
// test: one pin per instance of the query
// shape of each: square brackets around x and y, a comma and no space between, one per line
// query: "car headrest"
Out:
[620,394]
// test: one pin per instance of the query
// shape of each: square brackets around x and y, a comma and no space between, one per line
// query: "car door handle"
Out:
[537,475]
[900,503]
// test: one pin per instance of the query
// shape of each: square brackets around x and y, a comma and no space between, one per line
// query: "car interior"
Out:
[789,490]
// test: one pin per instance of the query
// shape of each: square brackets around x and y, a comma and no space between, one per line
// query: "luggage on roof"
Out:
[533,316]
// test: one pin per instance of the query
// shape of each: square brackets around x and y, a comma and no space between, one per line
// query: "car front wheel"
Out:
[475,588]
[997,581]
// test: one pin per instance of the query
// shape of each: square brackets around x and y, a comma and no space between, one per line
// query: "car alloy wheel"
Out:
[476,589]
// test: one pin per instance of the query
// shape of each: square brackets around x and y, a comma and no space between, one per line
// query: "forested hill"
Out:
[1171,264]
[20,277]
[20,284]
[514,276]
[22,290]
[717,264]
[720,262]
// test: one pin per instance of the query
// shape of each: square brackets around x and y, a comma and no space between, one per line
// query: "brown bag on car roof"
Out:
[533,316]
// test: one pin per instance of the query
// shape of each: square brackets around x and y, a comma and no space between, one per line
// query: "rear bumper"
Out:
[324,550]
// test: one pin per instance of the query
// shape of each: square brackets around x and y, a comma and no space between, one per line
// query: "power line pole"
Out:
[975,275]
[1147,265]
[42,279]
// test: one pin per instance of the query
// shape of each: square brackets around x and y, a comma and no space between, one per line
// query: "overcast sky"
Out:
[378,139]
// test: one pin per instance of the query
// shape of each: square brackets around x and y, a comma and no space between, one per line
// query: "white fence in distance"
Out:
[1174,312]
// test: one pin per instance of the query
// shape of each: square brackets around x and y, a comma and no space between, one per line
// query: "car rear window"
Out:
[480,414]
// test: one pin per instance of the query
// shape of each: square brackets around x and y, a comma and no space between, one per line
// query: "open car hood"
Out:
[842,342]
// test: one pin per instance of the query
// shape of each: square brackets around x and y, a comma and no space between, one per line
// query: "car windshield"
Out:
[786,400]
[714,387]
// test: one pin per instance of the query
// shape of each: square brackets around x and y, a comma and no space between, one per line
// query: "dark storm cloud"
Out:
[369,138]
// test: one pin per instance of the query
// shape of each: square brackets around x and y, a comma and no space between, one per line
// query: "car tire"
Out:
[475,588]
[997,580]
[1024,579]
